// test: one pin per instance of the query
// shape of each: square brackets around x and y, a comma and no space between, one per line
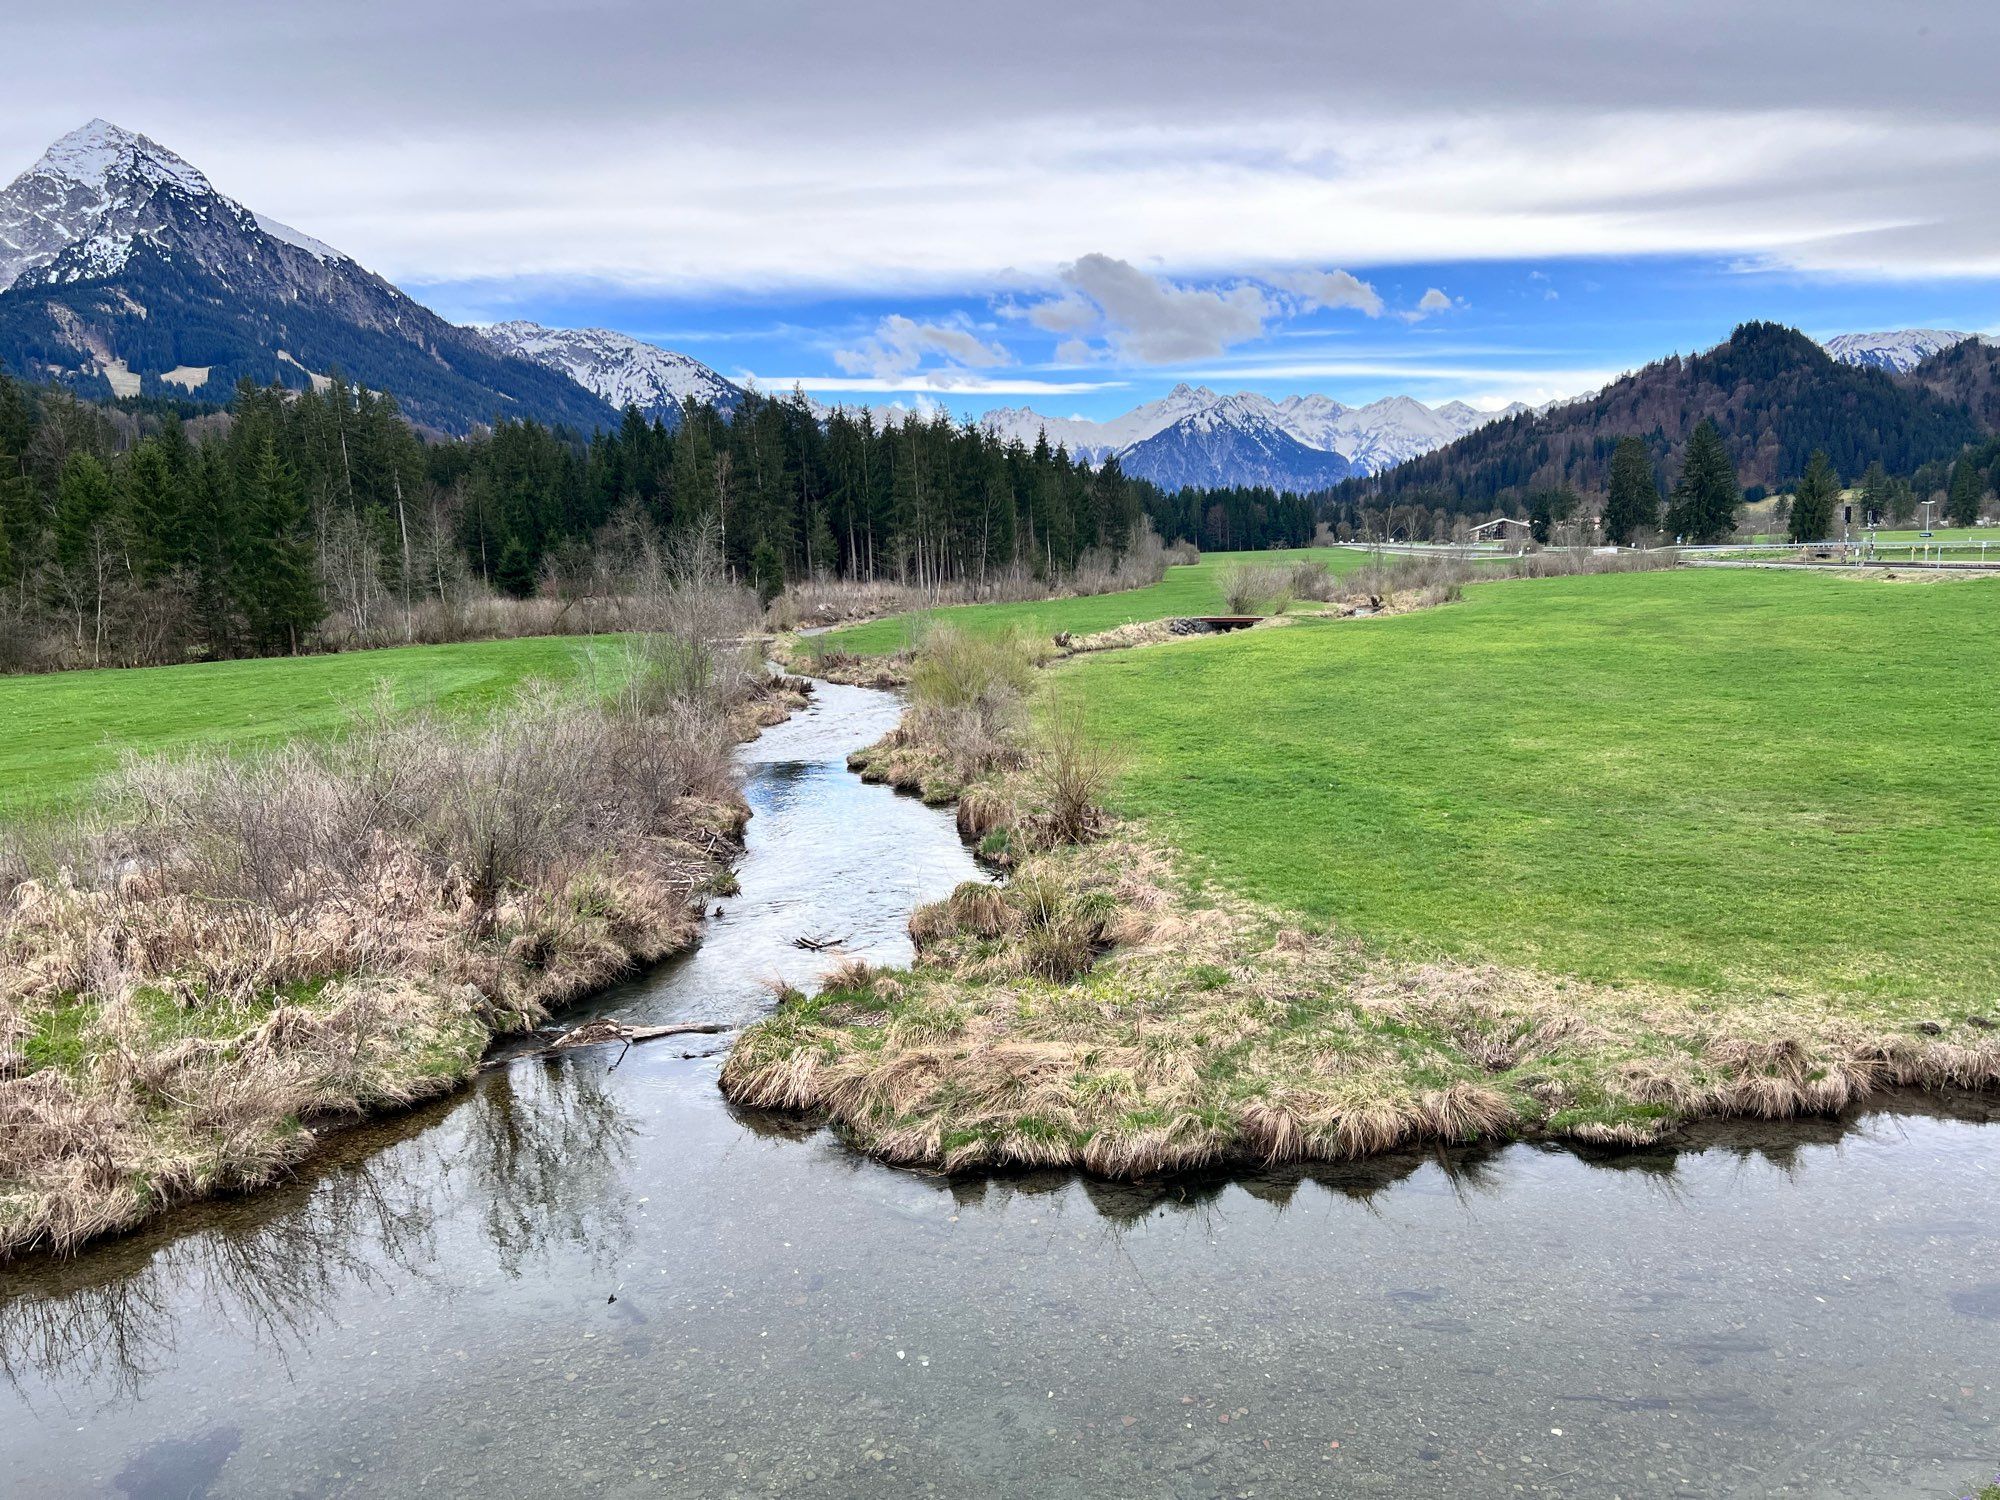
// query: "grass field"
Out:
[1705,779]
[1194,590]
[64,729]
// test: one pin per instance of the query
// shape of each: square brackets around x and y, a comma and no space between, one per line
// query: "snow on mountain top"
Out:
[318,249]
[1371,437]
[1311,406]
[93,155]
[623,370]
[92,197]
[1900,349]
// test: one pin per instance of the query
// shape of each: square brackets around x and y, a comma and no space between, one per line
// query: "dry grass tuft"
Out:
[1093,1013]
[228,952]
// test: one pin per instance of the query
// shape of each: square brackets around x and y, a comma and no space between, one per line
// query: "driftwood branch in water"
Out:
[590,1033]
[817,944]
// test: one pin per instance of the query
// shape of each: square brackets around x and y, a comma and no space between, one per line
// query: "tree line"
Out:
[152,531]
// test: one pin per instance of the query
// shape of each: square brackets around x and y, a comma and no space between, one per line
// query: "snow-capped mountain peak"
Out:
[1898,350]
[107,157]
[1092,440]
[99,193]
[1371,438]
[318,249]
[114,249]
[622,370]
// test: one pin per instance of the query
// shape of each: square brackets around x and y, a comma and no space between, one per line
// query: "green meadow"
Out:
[1704,778]
[1195,589]
[67,728]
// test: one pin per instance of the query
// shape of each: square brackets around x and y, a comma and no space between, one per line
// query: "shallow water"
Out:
[590,1276]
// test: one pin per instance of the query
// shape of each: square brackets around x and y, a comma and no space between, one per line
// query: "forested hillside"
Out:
[1773,394]
[1967,375]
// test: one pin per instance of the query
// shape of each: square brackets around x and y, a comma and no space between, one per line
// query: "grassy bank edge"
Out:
[343,1046]
[1102,1012]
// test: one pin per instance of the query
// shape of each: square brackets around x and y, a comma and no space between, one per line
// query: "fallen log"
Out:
[591,1033]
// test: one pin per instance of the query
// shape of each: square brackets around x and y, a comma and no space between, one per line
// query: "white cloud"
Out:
[1331,289]
[1485,386]
[1153,321]
[1572,130]
[899,345]
[1432,302]
[1068,313]
[955,382]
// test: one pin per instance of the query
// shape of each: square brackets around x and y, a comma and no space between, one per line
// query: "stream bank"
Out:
[587,1276]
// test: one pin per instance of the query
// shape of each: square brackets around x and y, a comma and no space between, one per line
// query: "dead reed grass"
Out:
[224,955]
[824,600]
[1096,1012]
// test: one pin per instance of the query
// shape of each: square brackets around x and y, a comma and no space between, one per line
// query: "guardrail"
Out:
[1862,553]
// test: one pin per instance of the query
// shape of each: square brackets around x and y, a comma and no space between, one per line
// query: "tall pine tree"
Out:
[1814,500]
[1703,507]
[1961,506]
[277,582]
[1633,507]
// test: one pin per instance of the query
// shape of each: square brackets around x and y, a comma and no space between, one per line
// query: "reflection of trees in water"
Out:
[115,1316]
[546,1155]
[1470,1172]
[543,1145]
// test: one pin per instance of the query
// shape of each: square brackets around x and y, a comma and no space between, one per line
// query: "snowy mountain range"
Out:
[1899,351]
[125,272]
[620,369]
[1235,440]
[1368,438]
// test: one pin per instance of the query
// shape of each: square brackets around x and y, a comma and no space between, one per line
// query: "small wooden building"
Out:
[1500,529]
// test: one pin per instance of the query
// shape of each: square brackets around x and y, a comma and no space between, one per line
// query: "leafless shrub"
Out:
[823,600]
[1076,767]
[1183,553]
[1311,579]
[966,691]
[1437,578]
[1257,589]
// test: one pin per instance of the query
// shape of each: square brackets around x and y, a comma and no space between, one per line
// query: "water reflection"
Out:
[541,1151]
[573,1280]
[546,1155]
[541,1157]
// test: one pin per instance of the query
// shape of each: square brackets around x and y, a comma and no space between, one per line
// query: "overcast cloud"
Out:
[766,144]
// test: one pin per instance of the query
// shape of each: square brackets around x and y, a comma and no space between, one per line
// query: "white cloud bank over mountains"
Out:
[869,146]
[1112,311]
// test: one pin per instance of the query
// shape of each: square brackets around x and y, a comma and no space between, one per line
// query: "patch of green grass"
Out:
[57,1040]
[1189,590]
[65,729]
[1703,778]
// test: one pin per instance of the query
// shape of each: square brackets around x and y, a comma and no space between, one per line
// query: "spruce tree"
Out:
[1633,507]
[1703,507]
[515,573]
[158,501]
[1814,500]
[277,581]
[1875,494]
[1961,506]
[89,547]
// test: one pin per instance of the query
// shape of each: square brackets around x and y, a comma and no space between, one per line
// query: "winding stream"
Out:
[577,1278]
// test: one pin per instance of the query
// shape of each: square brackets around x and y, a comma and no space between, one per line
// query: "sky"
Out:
[1075,207]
